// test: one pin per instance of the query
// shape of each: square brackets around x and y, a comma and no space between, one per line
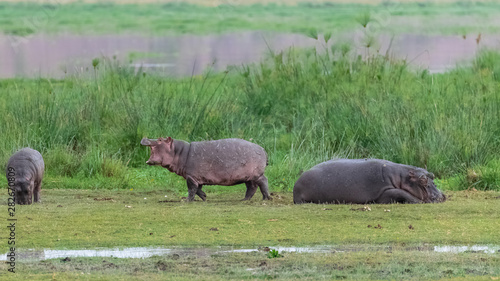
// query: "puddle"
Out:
[144,252]
[285,249]
[182,55]
[463,249]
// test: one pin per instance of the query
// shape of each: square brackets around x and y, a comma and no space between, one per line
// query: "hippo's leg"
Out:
[394,195]
[36,191]
[264,189]
[251,188]
[200,193]
[17,200]
[192,189]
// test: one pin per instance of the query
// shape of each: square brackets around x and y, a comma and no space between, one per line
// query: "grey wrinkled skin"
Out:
[362,181]
[28,168]
[220,162]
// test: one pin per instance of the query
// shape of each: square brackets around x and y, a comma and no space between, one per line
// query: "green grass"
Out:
[89,219]
[23,19]
[76,219]
[303,107]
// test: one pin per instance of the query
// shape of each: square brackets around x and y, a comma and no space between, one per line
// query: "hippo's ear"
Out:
[169,141]
[413,177]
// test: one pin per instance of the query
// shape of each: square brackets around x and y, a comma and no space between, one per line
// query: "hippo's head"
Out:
[162,151]
[420,184]
[23,191]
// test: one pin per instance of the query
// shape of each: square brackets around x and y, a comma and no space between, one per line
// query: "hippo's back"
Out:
[342,181]
[27,159]
[226,161]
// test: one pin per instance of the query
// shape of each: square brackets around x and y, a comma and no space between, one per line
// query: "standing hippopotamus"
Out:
[219,162]
[24,174]
[362,181]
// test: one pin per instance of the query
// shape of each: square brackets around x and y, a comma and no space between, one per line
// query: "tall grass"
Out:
[303,107]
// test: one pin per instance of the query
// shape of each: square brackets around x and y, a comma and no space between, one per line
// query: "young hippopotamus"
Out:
[219,162]
[362,181]
[24,173]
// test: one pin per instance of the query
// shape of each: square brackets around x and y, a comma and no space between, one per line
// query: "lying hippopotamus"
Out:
[219,162]
[24,173]
[362,181]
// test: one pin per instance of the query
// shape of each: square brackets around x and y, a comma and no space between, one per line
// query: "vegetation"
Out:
[303,107]
[24,19]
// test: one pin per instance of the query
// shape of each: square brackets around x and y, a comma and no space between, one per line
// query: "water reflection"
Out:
[182,55]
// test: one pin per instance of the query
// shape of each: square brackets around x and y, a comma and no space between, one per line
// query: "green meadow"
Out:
[78,219]
[376,242]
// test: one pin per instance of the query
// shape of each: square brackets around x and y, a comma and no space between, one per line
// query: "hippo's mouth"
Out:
[442,198]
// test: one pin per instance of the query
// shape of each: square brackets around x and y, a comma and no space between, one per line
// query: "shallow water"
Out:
[144,252]
[183,55]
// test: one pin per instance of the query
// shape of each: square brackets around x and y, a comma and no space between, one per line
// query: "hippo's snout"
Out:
[23,201]
[442,198]
[439,197]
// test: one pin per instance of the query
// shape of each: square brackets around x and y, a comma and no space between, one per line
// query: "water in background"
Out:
[56,56]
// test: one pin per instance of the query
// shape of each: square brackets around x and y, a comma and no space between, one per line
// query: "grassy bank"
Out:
[23,19]
[302,107]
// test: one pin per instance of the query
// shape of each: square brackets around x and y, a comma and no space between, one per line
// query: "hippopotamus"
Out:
[24,173]
[362,181]
[219,162]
